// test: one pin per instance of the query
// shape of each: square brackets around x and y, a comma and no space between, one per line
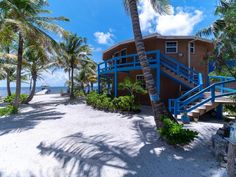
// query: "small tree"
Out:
[132,87]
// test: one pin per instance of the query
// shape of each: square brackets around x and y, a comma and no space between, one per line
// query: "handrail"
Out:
[180,105]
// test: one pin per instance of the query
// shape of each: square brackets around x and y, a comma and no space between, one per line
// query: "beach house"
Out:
[179,66]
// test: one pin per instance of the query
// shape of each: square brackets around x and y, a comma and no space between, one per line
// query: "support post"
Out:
[219,111]
[99,79]
[158,74]
[115,81]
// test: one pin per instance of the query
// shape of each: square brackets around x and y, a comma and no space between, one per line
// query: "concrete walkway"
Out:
[52,138]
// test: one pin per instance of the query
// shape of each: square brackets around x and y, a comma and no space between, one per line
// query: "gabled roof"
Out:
[160,37]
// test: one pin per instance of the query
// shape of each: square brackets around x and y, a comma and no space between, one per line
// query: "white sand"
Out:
[53,139]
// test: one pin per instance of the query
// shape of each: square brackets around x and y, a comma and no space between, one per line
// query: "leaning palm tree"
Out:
[37,60]
[25,18]
[75,51]
[161,6]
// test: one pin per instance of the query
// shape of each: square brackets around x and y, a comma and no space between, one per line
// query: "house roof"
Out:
[159,37]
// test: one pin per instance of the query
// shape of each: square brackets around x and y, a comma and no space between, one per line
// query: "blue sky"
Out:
[105,22]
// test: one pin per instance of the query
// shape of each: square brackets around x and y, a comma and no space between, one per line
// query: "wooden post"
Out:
[231,159]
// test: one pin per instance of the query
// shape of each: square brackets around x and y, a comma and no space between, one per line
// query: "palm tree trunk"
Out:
[18,70]
[31,95]
[69,75]
[72,80]
[8,84]
[158,107]
[8,77]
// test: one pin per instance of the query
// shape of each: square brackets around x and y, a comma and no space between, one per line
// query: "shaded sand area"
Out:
[52,138]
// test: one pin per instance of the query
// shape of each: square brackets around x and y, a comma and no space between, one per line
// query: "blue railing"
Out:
[216,90]
[131,62]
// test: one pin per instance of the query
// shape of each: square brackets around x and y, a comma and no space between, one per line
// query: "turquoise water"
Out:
[26,90]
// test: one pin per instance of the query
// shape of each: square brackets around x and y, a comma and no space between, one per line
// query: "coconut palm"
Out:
[75,51]
[160,6]
[223,30]
[8,63]
[25,18]
[37,60]
[88,75]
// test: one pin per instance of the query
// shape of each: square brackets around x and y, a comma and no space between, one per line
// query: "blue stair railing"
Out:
[195,97]
[132,63]
[180,69]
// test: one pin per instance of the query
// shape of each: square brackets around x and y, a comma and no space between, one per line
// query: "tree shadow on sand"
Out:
[28,120]
[99,155]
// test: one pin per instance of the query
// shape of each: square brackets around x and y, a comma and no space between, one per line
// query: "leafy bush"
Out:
[231,108]
[10,99]
[79,93]
[8,110]
[105,102]
[175,134]
[126,103]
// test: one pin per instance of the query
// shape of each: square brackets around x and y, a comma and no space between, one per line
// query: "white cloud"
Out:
[180,21]
[57,78]
[104,37]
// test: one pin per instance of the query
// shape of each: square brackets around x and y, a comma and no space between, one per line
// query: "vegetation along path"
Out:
[54,138]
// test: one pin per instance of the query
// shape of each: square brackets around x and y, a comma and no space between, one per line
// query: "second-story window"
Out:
[123,53]
[192,47]
[171,47]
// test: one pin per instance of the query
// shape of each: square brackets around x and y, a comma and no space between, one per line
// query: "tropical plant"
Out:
[37,59]
[10,99]
[87,75]
[8,63]
[75,51]
[224,32]
[107,103]
[132,87]
[175,134]
[8,110]
[160,6]
[25,18]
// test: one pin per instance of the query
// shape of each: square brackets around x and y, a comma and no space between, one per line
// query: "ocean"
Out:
[26,90]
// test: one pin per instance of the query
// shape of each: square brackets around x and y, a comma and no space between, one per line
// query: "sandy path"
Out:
[53,139]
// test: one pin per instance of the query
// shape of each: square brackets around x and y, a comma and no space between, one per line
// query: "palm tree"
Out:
[74,52]
[87,74]
[161,6]
[38,59]
[223,30]
[25,18]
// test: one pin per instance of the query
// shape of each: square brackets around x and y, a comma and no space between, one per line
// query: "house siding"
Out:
[169,88]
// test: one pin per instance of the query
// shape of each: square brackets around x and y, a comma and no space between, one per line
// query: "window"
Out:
[123,53]
[140,79]
[192,47]
[171,47]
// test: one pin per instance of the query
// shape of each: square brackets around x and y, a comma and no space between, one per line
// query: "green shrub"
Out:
[175,134]
[10,99]
[8,110]
[126,103]
[105,102]
[79,93]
